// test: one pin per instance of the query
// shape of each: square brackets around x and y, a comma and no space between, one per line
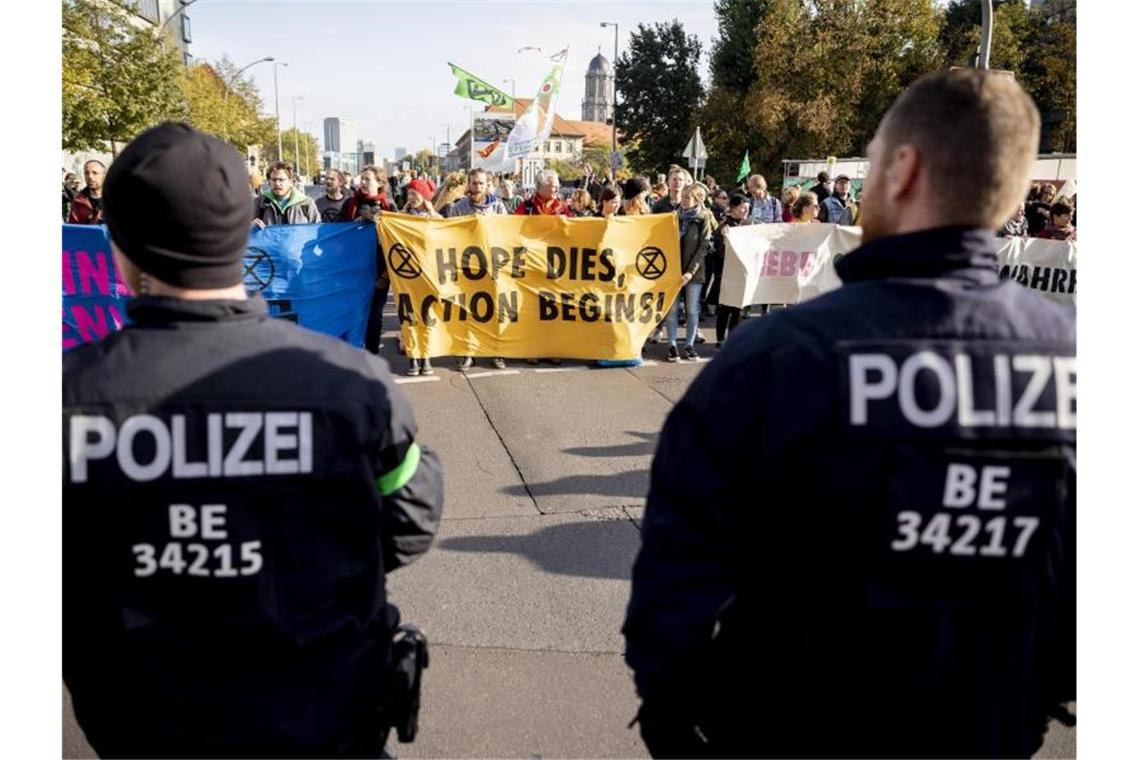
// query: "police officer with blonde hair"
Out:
[235,489]
[860,532]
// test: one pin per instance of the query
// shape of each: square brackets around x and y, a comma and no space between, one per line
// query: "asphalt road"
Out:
[524,592]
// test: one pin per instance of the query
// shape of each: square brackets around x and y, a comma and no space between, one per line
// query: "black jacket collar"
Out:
[963,252]
[165,310]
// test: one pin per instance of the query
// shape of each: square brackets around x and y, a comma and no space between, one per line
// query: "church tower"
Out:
[598,104]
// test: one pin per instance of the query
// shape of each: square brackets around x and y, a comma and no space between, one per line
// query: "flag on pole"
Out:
[472,87]
[745,168]
[534,126]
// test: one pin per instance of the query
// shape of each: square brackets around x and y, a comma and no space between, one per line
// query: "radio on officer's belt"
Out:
[409,661]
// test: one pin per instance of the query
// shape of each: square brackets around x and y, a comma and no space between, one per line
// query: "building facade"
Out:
[342,147]
[598,105]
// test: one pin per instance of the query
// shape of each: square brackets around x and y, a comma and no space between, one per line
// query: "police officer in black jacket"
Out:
[235,490]
[859,537]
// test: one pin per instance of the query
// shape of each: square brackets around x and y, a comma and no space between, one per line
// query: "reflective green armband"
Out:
[393,481]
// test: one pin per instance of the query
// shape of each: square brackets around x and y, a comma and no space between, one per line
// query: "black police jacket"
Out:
[235,488]
[859,535]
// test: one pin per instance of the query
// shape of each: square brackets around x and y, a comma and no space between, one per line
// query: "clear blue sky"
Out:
[383,63]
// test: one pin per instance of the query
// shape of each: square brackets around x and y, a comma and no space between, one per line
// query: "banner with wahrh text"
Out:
[531,286]
[790,263]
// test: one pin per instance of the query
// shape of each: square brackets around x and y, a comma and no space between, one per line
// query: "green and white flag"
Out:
[472,87]
[533,127]
[745,168]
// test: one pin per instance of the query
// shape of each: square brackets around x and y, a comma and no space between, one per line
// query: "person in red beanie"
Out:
[419,199]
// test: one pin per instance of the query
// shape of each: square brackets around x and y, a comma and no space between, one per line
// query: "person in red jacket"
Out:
[87,208]
[369,200]
[546,200]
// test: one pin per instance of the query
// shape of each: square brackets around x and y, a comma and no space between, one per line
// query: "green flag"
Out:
[745,168]
[472,87]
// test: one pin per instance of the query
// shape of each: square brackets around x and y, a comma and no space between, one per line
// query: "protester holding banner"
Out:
[235,490]
[331,204]
[87,206]
[610,203]
[906,444]
[727,316]
[633,197]
[1060,225]
[581,204]
[695,221]
[479,202]
[546,200]
[806,209]
[507,195]
[419,199]
[365,206]
[283,202]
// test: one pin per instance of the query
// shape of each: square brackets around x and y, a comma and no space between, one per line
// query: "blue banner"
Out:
[320,276]
[94,295]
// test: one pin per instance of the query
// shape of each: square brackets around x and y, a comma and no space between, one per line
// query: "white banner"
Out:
[790,263]
[489,150]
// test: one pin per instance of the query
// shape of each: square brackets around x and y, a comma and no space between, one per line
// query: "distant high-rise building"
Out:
[400,153]
[368,154]
[342,147]
[598,105]
[340,135]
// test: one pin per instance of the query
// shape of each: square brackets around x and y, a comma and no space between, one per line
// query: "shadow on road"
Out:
[632,484]
[644,447]
[593,549]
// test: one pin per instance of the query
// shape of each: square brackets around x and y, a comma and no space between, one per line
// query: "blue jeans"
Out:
[692,295]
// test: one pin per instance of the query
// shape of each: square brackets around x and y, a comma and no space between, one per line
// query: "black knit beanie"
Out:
[177,203]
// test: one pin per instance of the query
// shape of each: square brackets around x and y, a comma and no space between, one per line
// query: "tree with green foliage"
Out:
[310,158]
[226,105]
[731,55]
[659,92]
[118,79]
[727,135]
[822,73]
[1050,73]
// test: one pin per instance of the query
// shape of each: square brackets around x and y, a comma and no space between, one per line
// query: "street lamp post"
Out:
[987,34]
[296,136]
[277,109]
[613,129]
[226,94]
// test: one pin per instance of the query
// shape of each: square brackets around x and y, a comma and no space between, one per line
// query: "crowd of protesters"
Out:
[704,211]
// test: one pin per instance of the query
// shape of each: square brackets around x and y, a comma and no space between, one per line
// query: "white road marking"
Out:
[416,379]
[562,369]
[493,374]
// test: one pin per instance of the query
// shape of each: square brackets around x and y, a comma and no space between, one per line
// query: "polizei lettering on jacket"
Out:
[231,445]
[967,389]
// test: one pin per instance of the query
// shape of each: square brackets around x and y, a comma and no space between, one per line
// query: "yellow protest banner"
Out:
[531,286]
